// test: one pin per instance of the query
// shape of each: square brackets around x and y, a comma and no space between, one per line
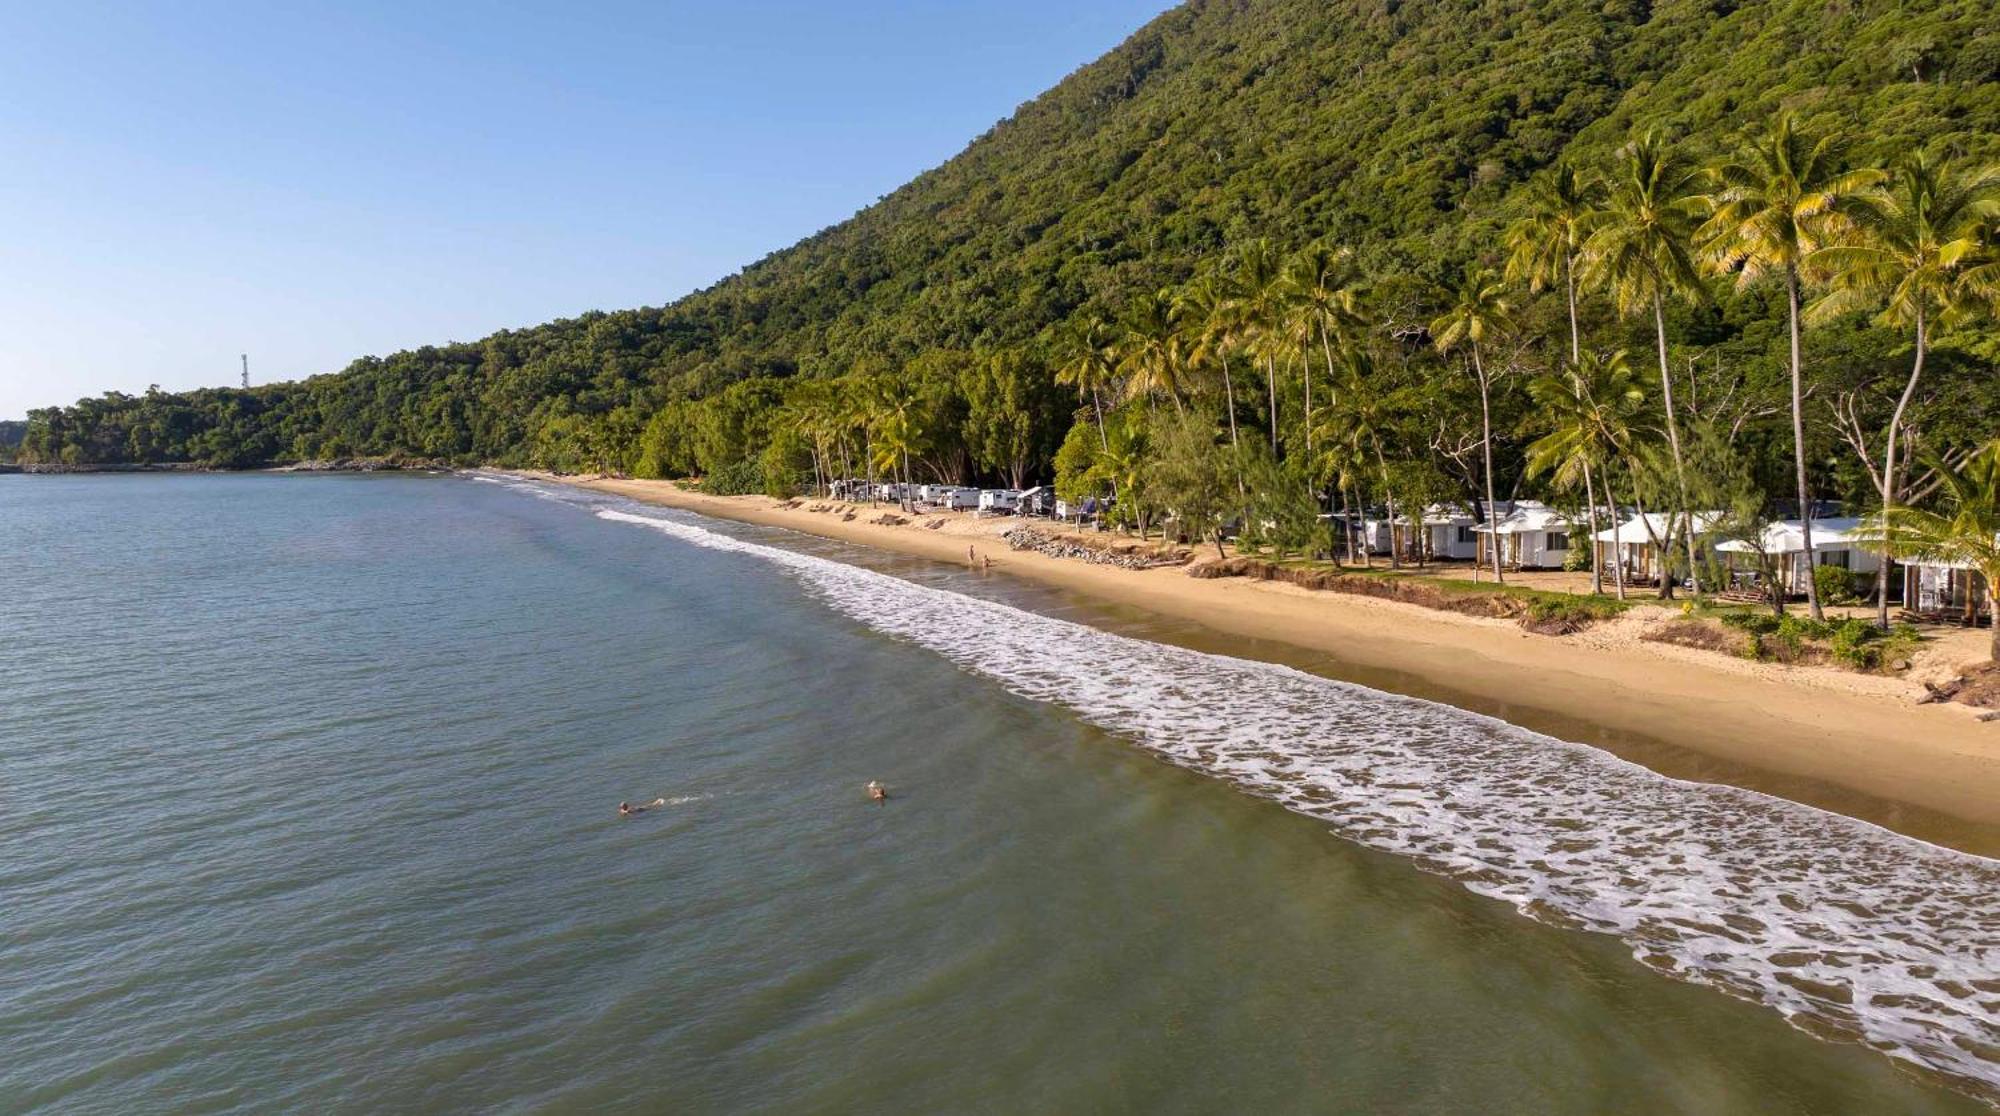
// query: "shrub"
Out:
[1835,585]
[1853,643]
[738,478]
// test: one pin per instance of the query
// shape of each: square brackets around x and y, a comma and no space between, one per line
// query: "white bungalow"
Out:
[999,501]
[1531,535]
[1633,542]
[1784,540]
[1448,531]
[1944,590]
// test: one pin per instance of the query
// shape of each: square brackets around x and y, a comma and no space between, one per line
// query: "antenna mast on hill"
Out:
[246,370]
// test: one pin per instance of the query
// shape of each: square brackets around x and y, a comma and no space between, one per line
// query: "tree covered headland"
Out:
[1371,251]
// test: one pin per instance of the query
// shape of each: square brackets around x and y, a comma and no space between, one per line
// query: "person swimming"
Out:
[626,809]
[877,792]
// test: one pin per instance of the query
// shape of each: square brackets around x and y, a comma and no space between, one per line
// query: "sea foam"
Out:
[1851,931]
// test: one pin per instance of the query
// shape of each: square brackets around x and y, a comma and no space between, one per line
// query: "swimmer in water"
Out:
[626,809]
[877,791]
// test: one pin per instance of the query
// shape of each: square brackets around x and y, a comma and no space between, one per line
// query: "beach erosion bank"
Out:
[1854,744]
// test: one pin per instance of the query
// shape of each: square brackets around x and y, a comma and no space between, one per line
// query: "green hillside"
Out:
[1403,132]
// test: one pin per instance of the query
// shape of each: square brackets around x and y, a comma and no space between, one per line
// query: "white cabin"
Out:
[1940,589]
[1784,540]
[1448,531]
[1530,535]
[1632,543]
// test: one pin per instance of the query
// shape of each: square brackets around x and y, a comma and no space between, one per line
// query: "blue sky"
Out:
[180,183]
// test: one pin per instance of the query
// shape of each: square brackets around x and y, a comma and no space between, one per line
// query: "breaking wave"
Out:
[1853,932]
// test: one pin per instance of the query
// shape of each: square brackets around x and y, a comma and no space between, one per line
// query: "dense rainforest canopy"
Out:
[1400,140]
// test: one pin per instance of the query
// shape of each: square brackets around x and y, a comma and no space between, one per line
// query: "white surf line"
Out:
[1848,929]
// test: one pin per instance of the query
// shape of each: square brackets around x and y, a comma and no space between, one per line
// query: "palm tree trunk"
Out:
[1326,347]
[1596,560]
[1097,408]
[1306,374]
[1611,513]
[1229,398]
[1799,446]
[1271,380]
[1569,287]
[1674,430]
[1347,522]
[1889,474]
[1486,449]
[1389,498]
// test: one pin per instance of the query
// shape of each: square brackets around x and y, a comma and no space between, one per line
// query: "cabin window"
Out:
[1558,540]
[1466,536]
[1833,558]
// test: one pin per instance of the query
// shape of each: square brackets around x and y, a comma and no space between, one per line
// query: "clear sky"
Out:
[180,183]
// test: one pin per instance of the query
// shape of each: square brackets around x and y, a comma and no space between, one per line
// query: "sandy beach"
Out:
[1850,742]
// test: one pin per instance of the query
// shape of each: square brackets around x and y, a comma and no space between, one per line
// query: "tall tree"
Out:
[1258,275]
[1584,412]
[1925,250]
[1479,311]
[1544,249]
[1150,351]
[1089,355]
[1355,428]
[1784,197]
[1209,314]
[897,407]
[1320,287]
[1641,252]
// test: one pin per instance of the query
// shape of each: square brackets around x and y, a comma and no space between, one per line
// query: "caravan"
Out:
[999,501]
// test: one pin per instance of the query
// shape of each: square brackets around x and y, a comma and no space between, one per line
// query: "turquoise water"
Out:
[308,804]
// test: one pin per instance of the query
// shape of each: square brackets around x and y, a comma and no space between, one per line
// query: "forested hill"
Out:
[1403,131]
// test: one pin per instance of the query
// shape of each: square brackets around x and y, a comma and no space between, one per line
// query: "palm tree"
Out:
[1782,199]
[1923,250]
[1356,426]
[809,410]
[1319,284]
[1588,413]
[1089,364]
[1966,532]
[1150,353]
[1544,248]
[1261,295]
[1210,317]
[897,407]
[1479,311]
[1639,250]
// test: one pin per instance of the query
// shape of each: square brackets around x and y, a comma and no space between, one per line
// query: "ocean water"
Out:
[307,802]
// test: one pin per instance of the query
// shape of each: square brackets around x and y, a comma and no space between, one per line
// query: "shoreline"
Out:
[1852,744]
